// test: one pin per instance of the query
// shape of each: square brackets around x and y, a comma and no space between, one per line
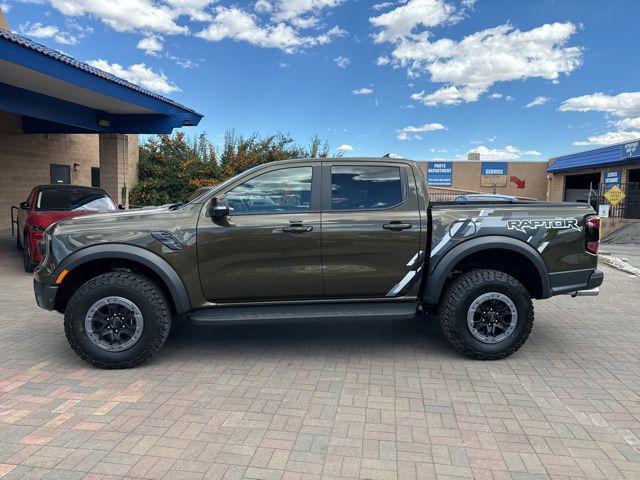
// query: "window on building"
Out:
[59,173]
[95,177]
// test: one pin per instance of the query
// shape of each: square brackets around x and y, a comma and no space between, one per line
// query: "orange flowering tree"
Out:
[172,166]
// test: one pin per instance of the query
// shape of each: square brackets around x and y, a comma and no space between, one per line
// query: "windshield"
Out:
[74,199]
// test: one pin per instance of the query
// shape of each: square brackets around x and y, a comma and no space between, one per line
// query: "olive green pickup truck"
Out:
[314,239]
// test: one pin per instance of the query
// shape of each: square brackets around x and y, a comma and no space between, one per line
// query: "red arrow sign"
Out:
[519,183]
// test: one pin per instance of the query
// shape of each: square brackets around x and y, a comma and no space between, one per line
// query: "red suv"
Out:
[47,204]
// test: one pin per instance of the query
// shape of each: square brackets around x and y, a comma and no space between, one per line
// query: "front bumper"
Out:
[45,294]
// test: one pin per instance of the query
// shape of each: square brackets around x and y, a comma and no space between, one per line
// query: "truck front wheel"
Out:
[486,314]
[117,320]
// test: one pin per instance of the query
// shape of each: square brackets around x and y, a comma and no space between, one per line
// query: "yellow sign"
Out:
[614,195]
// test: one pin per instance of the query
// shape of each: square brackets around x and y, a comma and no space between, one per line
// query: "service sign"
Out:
[630,150]
[494,173]
[612,178]
[439,174]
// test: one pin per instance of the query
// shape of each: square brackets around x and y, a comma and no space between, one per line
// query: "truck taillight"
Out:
[592,233]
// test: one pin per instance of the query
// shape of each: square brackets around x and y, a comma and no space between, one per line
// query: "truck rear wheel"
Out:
[117,320]
[486,314]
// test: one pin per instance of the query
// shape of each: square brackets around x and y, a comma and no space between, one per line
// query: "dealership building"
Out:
[516,178]
[571,176]
[63,121]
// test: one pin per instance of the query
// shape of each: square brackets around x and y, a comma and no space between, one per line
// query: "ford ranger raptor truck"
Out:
[307,239]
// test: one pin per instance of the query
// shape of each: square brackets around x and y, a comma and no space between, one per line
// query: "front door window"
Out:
[280,191]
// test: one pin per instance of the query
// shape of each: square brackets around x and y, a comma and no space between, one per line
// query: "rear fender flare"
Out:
[434,282]
[158,265]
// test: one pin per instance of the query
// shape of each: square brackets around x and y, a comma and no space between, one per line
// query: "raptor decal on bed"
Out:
[555,223]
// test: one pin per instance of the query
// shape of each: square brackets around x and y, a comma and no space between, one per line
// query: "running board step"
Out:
[295,312]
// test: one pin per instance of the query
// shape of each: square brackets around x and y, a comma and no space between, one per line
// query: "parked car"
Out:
[485,197]
[333,238]
[47,204]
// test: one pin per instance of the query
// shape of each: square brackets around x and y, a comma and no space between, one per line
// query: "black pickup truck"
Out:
[309,239]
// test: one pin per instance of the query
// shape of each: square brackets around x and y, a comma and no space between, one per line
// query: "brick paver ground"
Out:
[326,400]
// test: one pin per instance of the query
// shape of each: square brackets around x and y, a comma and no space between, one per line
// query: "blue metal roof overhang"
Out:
[601,157]
[54,93]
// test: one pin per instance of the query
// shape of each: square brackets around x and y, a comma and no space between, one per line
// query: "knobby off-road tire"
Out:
[137,289]
[471,287]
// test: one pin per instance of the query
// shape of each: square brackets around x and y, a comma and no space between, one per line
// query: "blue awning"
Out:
[55,93]
[601,157]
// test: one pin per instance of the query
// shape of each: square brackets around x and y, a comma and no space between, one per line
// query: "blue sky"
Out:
[424,79]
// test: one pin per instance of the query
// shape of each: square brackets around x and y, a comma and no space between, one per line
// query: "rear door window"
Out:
[356,187]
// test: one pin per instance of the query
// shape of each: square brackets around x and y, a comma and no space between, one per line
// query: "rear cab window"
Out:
[364,187]
[73,199]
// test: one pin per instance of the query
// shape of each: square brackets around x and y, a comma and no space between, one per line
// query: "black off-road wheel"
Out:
[27,262]
[486,314]
[117,320]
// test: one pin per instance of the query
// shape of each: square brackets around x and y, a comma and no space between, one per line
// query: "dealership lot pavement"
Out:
[326,400]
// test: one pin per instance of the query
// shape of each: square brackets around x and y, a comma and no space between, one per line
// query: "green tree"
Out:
[171,167]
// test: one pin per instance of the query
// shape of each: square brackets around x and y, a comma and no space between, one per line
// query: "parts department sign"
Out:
[439,174]
[494,173]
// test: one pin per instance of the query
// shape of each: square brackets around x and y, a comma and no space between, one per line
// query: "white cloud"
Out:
[235,24]
[495,96]
[427,127]
[283,65]
[126,15]
[342,62]
[621,105]
[413,133]
[5,7]
[152,45]
[537,101]
[263,6]
[362,91]
[382,6]
[139,74]
[345,148]
[470,67]
[286,10]
[628,124]
[382,61]
[38,30]
[507,153]
[626,104]
[610,138]
[195,9]
[402,21]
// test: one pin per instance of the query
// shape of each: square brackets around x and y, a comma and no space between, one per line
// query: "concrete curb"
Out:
[619,264]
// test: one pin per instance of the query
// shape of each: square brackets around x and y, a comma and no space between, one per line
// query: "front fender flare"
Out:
[158,265]
[434,282]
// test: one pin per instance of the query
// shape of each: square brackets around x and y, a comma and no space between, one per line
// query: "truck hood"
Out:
[87,220]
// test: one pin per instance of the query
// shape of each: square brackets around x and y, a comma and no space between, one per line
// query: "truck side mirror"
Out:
[219,207]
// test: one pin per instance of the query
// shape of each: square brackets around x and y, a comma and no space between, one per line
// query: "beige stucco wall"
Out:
[25,160]
[466,176]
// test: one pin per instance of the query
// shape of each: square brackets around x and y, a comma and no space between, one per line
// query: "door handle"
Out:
[298,229]
[396,226]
